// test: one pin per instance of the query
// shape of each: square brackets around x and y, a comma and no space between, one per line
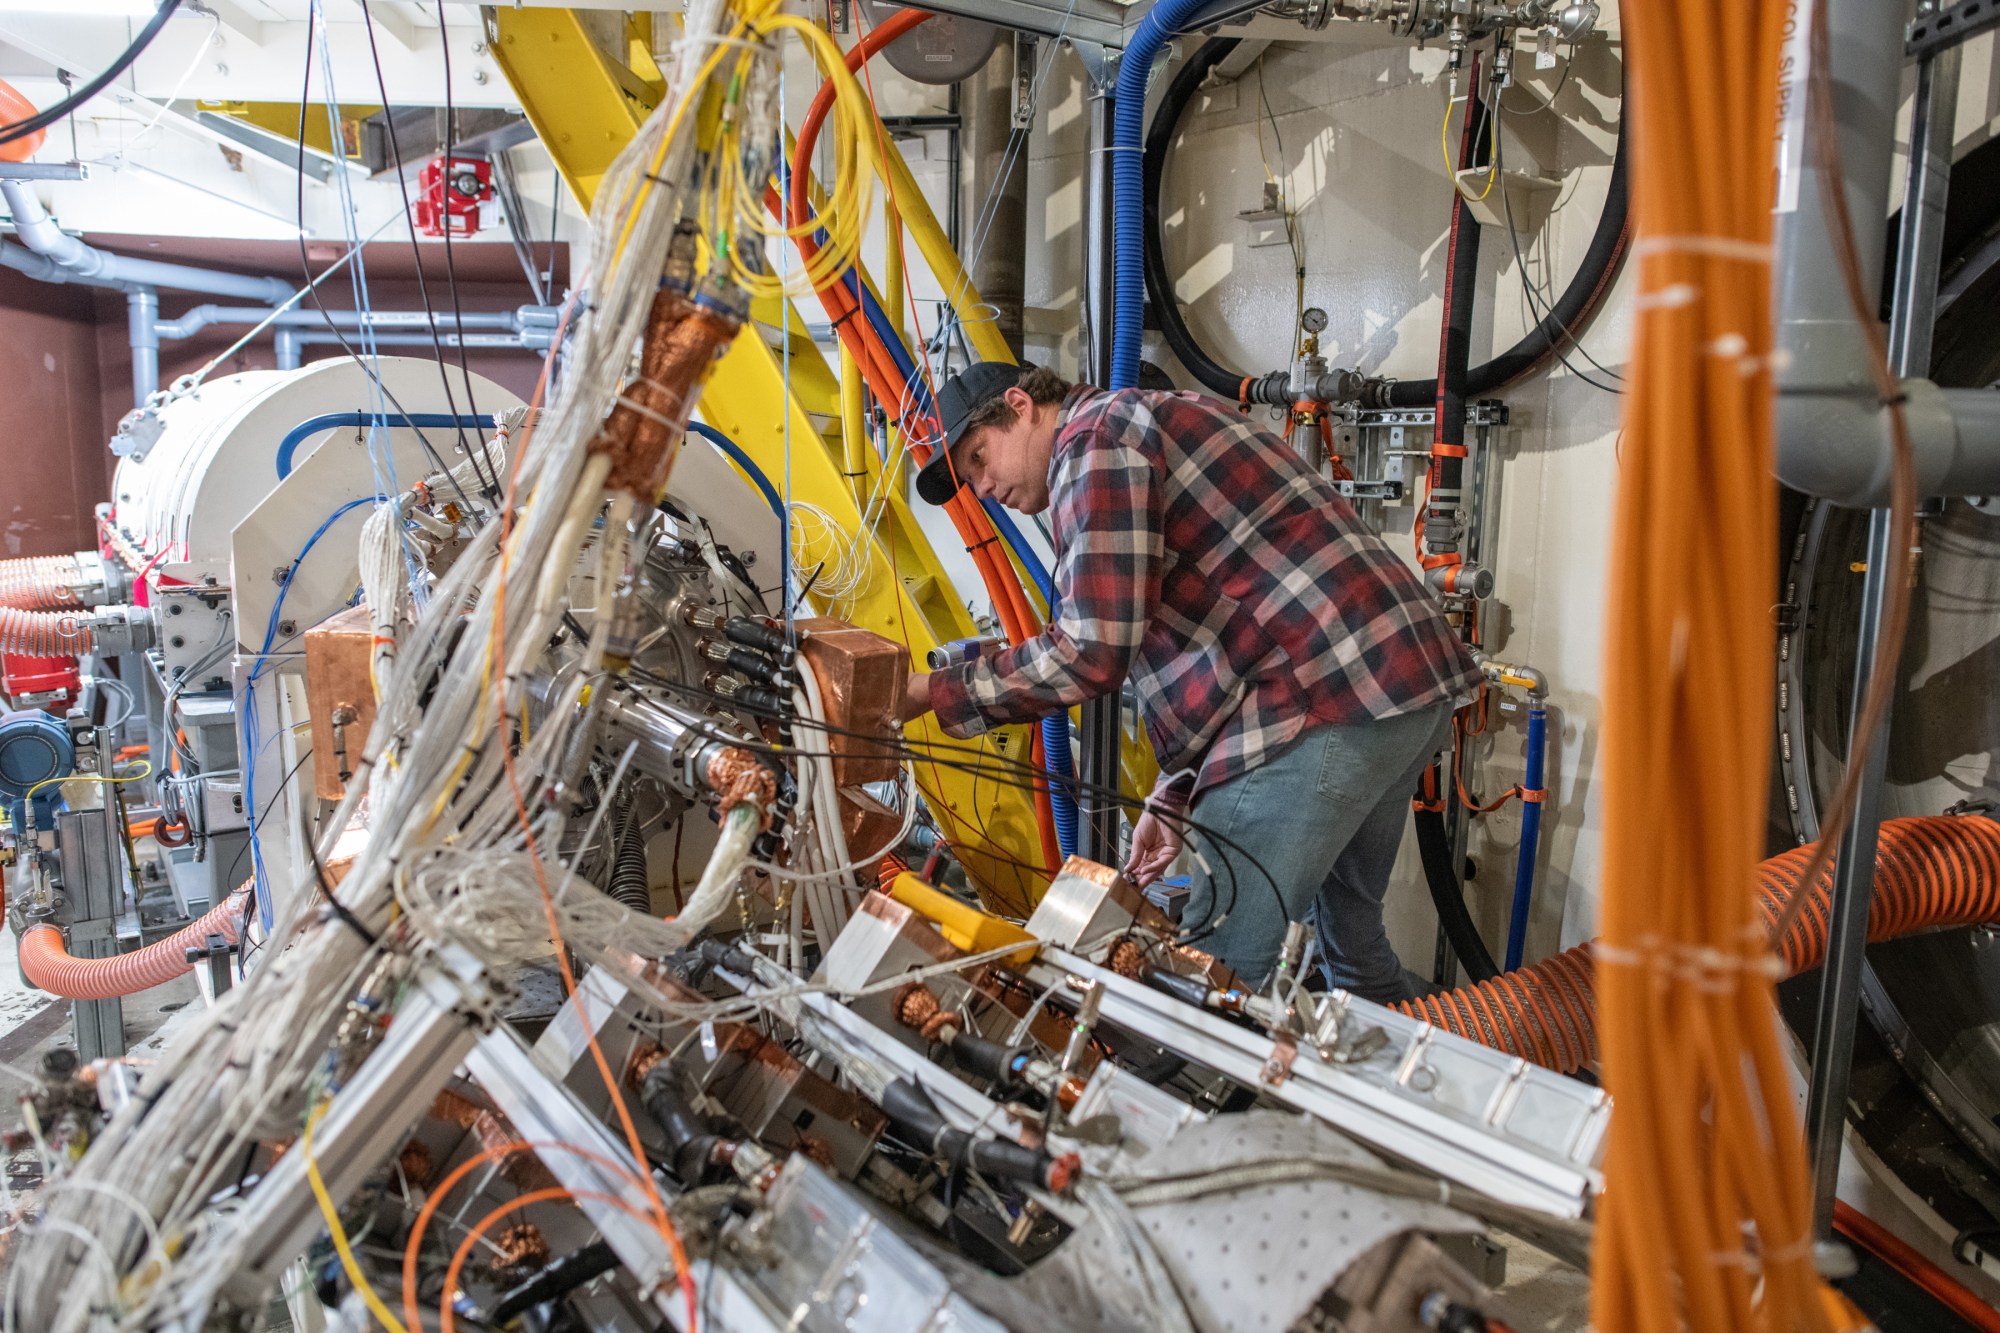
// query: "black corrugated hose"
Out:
[1560,327]
[630,884]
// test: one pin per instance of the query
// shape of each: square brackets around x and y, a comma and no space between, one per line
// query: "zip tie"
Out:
[1671,297]
[1713,247]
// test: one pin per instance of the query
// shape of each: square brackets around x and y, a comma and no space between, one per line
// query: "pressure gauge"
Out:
[1314,319]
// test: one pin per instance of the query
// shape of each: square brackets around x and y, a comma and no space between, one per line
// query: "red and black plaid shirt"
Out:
[1236,587]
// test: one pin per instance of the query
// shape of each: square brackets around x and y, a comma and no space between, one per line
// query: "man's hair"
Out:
[1042,385]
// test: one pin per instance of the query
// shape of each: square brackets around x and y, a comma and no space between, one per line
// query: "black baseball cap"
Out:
[962,394]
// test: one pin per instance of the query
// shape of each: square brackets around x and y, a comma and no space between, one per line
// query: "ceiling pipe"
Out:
[1833,434]
[40,233]
[523,319]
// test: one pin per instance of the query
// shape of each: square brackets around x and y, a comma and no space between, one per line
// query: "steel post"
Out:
[1915,299]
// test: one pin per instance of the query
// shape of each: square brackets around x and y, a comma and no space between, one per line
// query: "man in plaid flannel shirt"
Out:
[1294,674]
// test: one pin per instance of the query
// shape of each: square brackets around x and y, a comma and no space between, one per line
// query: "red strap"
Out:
[1534,795]
[1448,451]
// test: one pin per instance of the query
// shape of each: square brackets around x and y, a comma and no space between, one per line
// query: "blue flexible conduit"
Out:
[742,460]
[1128,127]
[1531,831]
[298,434]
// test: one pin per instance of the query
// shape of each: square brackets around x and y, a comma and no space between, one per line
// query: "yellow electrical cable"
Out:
[341,1247]
[90,777]
[1451,168]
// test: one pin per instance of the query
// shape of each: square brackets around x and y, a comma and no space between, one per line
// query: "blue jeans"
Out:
[1314,832]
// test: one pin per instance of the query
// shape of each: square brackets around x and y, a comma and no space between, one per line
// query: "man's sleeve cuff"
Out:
[1172,793]
[951,700]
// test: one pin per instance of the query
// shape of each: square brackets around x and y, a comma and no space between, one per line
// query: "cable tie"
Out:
[1708,246]
[1441,450]
[1532,795]
[1671,297]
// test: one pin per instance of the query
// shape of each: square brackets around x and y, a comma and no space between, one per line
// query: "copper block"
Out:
[337,652]
[870,826]
[861,677]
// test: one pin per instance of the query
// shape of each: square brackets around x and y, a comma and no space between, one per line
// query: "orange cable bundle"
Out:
[1705,1218]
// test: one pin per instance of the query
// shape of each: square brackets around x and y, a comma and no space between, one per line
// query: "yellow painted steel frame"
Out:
[903,595]
[577,91]
[585,105]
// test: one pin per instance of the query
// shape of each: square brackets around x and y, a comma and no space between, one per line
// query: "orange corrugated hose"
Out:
[1705,1220]
[44,633]
[47,963]
[39,583]
[1929,872]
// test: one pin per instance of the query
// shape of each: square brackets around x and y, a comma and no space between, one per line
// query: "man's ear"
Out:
[1018,399]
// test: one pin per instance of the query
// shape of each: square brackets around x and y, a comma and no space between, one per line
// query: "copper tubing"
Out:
[46,962]
[1929,873]
[40,583]
[44,633]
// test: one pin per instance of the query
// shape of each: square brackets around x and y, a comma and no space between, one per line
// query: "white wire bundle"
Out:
[130,1239]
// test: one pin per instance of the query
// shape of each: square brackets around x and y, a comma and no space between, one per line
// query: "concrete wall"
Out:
[1350,125]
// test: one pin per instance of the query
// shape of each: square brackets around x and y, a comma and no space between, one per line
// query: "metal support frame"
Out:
[1102,719]
[1915,300]
[449,1003]
[1466,1112]
[92,847]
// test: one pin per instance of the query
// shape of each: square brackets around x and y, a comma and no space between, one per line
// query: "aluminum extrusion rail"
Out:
[1452,1107]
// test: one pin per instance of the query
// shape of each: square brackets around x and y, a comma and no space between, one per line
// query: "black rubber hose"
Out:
[1448,895]
[917,1118]
[630,883]
[1159,286]
[1447,465]
[554,1281]
[691,1149]
[1564,321]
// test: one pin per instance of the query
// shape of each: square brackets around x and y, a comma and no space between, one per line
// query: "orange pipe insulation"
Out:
[44,633]
[1930,872]
[46,962]
[40,583]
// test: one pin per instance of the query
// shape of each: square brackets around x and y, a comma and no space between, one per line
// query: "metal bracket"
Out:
[1945,28]
[1100,64]
[1278,1065]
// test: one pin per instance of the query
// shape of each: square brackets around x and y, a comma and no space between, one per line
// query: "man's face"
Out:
[1010,463]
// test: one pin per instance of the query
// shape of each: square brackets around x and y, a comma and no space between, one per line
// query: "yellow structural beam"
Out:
[565,67]
[902,593]
[569,69]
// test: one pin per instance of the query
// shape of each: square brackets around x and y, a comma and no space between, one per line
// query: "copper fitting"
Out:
[815,1147]
[1127,958]
[737,776]
[645,1059]
[521,1244]
[415,1163]
[914,1005]
[934,1027]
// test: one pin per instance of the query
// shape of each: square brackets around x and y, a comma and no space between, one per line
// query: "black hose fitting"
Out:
[758,634]
[696,1156]
[553,1281]
[917,1118]
[987,1059]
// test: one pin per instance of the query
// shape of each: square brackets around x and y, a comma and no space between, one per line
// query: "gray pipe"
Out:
[43,269]
[999,262]
[1833,436]
[524,319]
[40,233]
[292,342]
[142,310]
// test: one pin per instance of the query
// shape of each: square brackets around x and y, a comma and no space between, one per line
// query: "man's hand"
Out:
[916,696]
[1155,844]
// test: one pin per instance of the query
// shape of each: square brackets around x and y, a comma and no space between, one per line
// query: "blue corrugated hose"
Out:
[1531,830]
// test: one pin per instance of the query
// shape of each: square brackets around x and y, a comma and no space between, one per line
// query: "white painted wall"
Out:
[1358,115]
